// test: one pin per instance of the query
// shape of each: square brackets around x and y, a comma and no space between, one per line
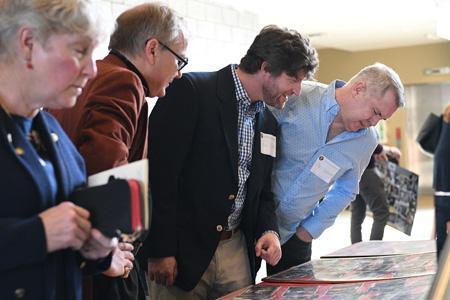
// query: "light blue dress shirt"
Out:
[304,124]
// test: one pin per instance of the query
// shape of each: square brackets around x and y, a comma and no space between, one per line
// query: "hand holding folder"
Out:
[118,205]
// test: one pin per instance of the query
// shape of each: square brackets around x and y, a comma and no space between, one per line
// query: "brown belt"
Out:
[226,234]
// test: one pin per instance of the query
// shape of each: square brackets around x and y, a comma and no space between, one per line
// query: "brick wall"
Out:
[218,34]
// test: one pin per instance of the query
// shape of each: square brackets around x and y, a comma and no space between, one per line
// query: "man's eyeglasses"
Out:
[181,61]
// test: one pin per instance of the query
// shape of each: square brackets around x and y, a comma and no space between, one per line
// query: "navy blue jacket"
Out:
[193,159]
[26,269]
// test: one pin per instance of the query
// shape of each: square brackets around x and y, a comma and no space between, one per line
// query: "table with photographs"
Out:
[366,270]
[414,288]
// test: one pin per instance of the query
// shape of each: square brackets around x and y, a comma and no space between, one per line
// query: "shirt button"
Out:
[231,197]
[219,228]
[19,293]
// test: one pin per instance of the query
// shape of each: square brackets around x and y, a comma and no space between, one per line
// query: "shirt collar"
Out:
[332,105]
[133,68]
[242,96]
[24,124]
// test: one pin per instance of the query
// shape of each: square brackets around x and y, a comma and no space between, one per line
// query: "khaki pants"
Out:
[229,270]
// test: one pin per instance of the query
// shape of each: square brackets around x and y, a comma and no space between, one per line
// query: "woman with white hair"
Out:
[45,61]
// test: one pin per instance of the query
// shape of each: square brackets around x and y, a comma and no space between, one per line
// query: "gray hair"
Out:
[379,79]
[137,25]
[47,17]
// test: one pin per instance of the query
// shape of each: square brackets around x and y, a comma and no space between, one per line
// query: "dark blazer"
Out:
[193,157]
[441,183]
[26,269]
[441,172]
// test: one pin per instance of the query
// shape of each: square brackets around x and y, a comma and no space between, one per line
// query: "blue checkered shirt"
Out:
[246,131]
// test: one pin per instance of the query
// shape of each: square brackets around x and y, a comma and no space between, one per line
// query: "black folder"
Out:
[116,208]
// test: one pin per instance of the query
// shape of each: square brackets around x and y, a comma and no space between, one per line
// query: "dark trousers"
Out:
[371,193]
[442,211]
[101,287]
[294,252]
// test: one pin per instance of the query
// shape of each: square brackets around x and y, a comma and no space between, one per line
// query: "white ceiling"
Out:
[352,25]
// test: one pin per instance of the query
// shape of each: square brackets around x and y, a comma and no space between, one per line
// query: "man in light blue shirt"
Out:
[325,143]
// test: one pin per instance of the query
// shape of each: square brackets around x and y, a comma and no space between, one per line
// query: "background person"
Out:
[372,194]
[441,181]
[45,61]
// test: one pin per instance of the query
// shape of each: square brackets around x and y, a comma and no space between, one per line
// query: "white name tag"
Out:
[268,144]
[324,168]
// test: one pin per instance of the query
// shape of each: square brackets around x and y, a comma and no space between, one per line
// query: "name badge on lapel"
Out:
[268,144]
[324,168]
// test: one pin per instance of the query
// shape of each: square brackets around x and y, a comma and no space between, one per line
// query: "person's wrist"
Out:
[304,235]
[273,232]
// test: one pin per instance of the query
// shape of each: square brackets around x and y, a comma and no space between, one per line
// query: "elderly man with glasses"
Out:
[109,123]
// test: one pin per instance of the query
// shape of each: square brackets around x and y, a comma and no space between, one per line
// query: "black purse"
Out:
[429,133]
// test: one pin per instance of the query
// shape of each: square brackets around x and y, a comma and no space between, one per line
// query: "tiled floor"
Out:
[338,236]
